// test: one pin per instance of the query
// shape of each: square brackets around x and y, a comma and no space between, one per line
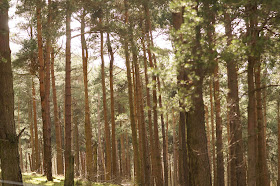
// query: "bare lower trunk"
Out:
[36,137]
[68,157]
[9,155]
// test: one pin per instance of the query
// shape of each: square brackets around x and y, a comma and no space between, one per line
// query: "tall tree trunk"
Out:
[183,174]
[88,131]
[32,162]
[199,167]
[114,151]
[19,139]
[41,64]
[157,157]
[263,176]
[252,115]
[123,157]
[76,146]
[148,102]
[237,165]
[175,149]
[47,124]
[36,136]
[9,155]
[219,179]
[164,148]
[213,133]
[141,121]
[208,133]
[107,127]
[68,157]
[100,151]
[264,104]
[131,106]
[59,154]
[219,129]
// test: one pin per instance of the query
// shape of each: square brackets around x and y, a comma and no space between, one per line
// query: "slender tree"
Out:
[88,131]
[131,106]
[114,151]
[68,158]
[107,127]
[59,154]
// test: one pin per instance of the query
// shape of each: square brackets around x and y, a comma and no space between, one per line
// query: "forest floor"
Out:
[32,179]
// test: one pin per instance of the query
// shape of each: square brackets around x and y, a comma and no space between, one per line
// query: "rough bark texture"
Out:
[9,155]
[47,124]
[68,158]
[199,167]
[88,132]
[59,154]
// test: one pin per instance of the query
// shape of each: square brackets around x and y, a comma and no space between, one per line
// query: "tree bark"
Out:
[32,144]
[100,151]
[9,155]
[107,127]
[59,154]
[183,174]
[131,106]
[88,131]
[213,133]
[219,129]
[76,146]
[47,124]
[175,149]
[237,164]
[114,151]
[157,157]
[68,157]
[36,137]
[263,176]
[199,167]
[148,104]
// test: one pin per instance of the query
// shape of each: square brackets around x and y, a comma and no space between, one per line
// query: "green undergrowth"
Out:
[38,179]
